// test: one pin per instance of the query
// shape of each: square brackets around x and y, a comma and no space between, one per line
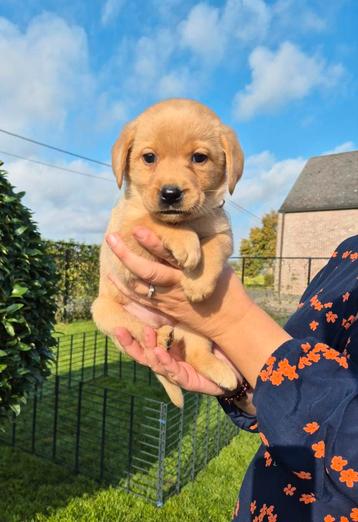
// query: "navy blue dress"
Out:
[306,469]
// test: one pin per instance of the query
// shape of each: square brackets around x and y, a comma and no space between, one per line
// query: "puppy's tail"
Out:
[173,390]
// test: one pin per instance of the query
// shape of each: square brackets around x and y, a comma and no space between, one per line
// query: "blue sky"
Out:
[282,73]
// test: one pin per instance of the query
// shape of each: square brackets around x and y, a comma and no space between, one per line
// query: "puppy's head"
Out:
[178,159]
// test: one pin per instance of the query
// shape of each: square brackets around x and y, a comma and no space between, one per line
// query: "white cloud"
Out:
[280,77]
[151,70]
[47,66]
[347,146]
[249,20]
[209,32]
[201,32]
[266,181]
[73,208]
[110,11]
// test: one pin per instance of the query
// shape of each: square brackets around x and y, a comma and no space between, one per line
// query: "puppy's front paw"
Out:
[186,250]
[165,336]
[198,289]
[224,377]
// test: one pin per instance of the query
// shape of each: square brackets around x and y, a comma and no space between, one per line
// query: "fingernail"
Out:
[112,240]
[140,233]
[119,335]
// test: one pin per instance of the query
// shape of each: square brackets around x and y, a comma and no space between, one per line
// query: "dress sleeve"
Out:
[307,411]
[242,419]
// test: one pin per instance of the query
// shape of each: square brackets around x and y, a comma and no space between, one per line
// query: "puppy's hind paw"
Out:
[165,336]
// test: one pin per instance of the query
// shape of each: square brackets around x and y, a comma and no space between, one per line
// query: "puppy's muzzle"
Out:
[169,195]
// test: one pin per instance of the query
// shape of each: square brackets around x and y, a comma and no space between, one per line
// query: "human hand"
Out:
[244,331]
[211,317]
[169,364]
[172,366]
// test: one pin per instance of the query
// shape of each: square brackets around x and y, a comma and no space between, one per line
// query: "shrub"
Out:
[28,283]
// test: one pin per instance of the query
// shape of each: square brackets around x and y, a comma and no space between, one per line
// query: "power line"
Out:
[74,154]
[56,166]
[30,140]
[243,209]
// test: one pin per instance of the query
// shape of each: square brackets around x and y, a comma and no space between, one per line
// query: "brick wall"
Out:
[309,234]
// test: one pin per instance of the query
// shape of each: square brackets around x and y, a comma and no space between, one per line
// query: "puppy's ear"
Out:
[234,157]
[120,151]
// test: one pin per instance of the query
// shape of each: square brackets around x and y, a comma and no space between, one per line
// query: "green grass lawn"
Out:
[33,489]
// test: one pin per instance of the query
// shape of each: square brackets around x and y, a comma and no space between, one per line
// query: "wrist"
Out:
[250,339]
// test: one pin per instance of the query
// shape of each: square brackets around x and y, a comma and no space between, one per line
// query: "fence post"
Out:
[83,354]
[70,365]
[193,439]
[207,424]
[161,452]
[180,443]
[134,371]
[130,441]
[217,427]
[67,283]
[57,353]
[105,369]
[55,417]
[103,433]
[94,354]
[309,270]
[78,428]
[243,270]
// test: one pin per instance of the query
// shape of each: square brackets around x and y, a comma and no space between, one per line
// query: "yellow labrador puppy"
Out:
[177,159]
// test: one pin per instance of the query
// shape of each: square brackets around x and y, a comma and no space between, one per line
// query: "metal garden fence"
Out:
[104,416]
[281,278]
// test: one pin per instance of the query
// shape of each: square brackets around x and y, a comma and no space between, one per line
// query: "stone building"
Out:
[320,211]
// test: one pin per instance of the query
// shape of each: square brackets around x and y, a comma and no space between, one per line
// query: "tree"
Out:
[261,243]
[28,286]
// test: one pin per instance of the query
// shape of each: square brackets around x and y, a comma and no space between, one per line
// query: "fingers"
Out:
[142,354]
[137,293]
[185,375]
[130,345]
[162,362]
[153,244]
[149,271]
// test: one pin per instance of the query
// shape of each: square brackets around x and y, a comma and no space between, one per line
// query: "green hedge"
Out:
[28,286]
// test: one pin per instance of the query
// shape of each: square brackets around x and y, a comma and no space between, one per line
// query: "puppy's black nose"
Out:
[170,194]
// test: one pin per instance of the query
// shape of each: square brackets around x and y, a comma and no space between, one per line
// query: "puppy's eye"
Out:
[198,157]
[149,157]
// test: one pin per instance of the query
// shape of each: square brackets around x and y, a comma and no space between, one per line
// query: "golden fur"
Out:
[198,236]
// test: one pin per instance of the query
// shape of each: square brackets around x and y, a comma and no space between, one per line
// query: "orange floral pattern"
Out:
[287,371]
[319,449]
[345,296]
[304,475]
[268,459]
[266,514]
[289,490]
[308,498]
[338,463]
[311,427]
[323,348]
[348,477]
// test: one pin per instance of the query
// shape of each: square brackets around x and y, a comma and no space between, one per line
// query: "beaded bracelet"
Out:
[236,395]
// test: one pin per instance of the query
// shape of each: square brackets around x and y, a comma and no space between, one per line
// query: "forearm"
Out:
[247,335]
